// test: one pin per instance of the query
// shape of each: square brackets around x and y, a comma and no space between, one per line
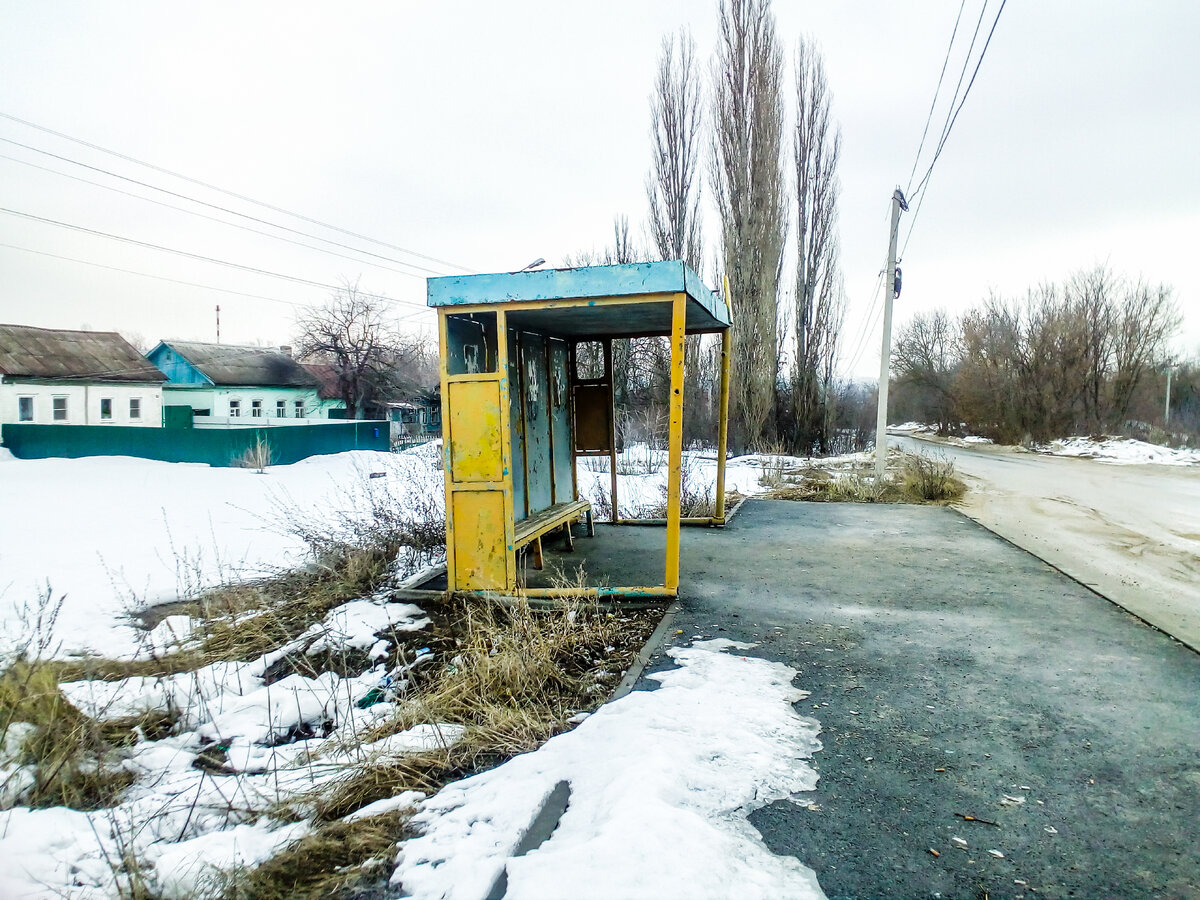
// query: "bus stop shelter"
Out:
[517,412]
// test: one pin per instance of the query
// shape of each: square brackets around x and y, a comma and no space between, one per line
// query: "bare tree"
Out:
[749,186]
[1145,321]
[672,188]
[352,333]
[818,306]
[926,358]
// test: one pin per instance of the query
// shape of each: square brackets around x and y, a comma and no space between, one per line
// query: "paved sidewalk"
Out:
[950,670]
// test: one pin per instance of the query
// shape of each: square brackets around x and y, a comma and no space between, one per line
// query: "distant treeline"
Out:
[1087,356]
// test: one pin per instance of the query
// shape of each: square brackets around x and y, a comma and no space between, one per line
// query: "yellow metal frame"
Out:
[456,546]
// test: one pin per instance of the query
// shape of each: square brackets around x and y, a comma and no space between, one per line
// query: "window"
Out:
[24,409]
[299,413]
[135,408]
[280,409]
[60,409]
[235,408]
[256,409]
[106,407]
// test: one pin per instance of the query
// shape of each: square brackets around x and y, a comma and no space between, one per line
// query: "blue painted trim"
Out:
[178,369]
[630,280]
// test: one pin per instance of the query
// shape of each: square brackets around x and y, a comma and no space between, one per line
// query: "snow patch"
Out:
[661,784]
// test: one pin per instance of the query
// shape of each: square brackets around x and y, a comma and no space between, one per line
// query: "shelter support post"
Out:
[723,424]
[675,445]
[612,424]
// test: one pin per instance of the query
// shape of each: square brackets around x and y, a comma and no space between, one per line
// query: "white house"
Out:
[53,377]
[232,384]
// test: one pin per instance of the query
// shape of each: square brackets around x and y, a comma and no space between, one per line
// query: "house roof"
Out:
[52,353]
[225,364]
[327,376]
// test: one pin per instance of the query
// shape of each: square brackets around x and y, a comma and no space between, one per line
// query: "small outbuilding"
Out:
[517,411]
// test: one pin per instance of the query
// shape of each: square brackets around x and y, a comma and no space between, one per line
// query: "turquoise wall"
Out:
[215,446]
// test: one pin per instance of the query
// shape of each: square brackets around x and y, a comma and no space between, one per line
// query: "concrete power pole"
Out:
[1167,405]
[885,359]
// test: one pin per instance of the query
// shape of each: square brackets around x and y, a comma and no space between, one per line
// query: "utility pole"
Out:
[1167,405]
[218,323]
[885,358]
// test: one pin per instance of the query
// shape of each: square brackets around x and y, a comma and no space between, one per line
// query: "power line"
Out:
[923,186]
[233,194]
[936,92]
[962,73]
[192,212]
[224,209]
[868,322]
[197,284]
[189,255]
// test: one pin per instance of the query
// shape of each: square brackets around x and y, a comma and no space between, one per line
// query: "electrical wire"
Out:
[207,287]
[224,209]
[196,256]
[192,212]
[950,111]
[923,186]
[233,194]
[936,92]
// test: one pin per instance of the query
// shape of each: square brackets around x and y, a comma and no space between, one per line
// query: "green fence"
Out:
[215,446]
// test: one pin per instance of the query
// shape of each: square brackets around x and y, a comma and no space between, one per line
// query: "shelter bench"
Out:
[561,515]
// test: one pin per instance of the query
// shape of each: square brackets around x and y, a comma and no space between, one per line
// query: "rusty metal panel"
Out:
[516,418]
[480,552]
[560,420]
[534,395]
[593,413]
[475,431]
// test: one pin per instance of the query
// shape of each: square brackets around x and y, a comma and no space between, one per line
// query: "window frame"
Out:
[106,408]
[235,409]
[54,408]
[298,409]
[135,409]
[256,409]
[281,409]
[21,400]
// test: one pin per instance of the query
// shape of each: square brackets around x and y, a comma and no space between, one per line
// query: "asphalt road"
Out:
[949,670]
[1130,532]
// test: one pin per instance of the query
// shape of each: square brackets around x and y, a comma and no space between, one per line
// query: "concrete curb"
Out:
[638,666]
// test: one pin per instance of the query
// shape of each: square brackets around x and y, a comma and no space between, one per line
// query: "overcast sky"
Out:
[485,135]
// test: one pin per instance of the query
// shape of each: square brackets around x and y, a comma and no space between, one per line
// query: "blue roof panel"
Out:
[631,280]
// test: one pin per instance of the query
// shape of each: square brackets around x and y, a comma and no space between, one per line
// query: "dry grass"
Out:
[338,860]
[74,761]
[931,480]
[514,677]
[910,479]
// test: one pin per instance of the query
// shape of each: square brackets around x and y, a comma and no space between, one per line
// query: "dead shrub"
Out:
[931,480]
[257,457]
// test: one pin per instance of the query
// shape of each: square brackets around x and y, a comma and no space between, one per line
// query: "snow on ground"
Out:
[661,783]
[1121,451]
[642,474]
[116,534]
[182,822]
